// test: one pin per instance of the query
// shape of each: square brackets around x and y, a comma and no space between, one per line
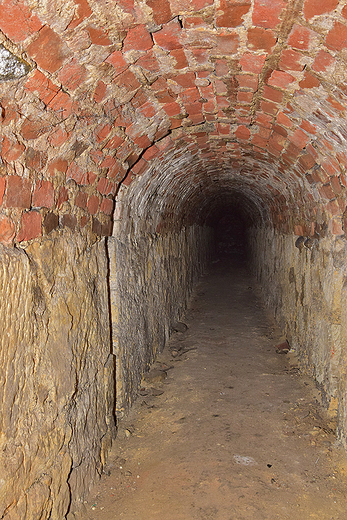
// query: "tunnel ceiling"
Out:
[172,105]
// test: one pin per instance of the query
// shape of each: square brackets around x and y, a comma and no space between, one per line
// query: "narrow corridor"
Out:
[225,427]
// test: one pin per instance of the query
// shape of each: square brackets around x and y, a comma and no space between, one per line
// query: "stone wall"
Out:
[306,285]
[152,277]
[57,375]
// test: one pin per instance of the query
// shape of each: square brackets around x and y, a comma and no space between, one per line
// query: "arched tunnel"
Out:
[138,141]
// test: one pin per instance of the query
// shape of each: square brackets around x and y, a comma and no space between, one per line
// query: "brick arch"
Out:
[103,92]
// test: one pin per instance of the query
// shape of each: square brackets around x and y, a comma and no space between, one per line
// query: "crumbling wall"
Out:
[305,281]
[56,378]
[152,277]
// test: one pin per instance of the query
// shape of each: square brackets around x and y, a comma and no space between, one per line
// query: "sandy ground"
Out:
[224,428]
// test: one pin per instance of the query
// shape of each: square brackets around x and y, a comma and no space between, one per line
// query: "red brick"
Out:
[75,173]
[272,94]
[323,62]
[98,36]
[100,92]
[331,167]
[200,4]
[165,96]
[300,37]
[114,143]
[61,104]
[309,81]
[172,109]
[186,80]
[7,230]
[247,81]
[168,37]
[335,184]
[93,204]
[266,13]
[335,104]
[58,165]
[269,108]
[43,196]
[161,10]
[81,200]
[102,185]
[242,132]
[290,60]
[82,12]
[337,38]
[35,159]
[127,80]
[261,39]
[57,137]
[326,191]
[63,196]
[18,192]
[259,141]
[252,62]
[72,75]
[227,43]
[17,21]
[9,112]
[307,161]
[180,57]
[317,7]
[148,110]
[102,131]
[194,21]
[148,61]
[232,13]
[117,60]
[48,50]
[42,86]
[151,152]
[88,178]
[299,138]
[107,206]
[244,97]
[201,56]
[31,226]
[311,129]
[11,150]
[138,39]
[280,79]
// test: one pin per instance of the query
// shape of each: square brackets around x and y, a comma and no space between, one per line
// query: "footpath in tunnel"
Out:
[224,427]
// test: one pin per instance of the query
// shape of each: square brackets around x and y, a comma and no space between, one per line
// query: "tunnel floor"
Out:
[233,432]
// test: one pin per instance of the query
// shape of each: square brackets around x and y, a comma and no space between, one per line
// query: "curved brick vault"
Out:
[127,128]
[247,93]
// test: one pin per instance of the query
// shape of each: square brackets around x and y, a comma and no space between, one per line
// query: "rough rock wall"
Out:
[307,288]
[152,277]
[57,375]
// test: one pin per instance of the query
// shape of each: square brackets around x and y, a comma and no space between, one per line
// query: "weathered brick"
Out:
[61,104]
[58,137]
[41,86]
[7,230]
[72,75]
[280,79]
[290,60]
[43,195]
[30,226]
[93,204]
[266,13]
[57,166]
[227,43]
[48,50]
[75,173]
[18,192]
[106,206]
[82,11]
[117,60]
[317,7]
[138,39]
[17,21]
[98,36]
[10,150]
[337,37]
[252,62]
[100,91]
[168,37]
[323,62]
[272,94]
[309,81]
[35,159]
[242,132]
[2,189]
[161,10]
[233,13]
[300,37]
[69,221]
[81,200]
[172,109]
[63,196]
[127,80]
[261,39]
[247,81]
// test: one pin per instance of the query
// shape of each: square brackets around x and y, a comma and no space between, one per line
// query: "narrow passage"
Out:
[233,432]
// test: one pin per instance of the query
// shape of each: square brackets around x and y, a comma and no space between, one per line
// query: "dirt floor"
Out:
[224,428]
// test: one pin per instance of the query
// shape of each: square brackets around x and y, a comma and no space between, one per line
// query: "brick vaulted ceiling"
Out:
[188,99]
